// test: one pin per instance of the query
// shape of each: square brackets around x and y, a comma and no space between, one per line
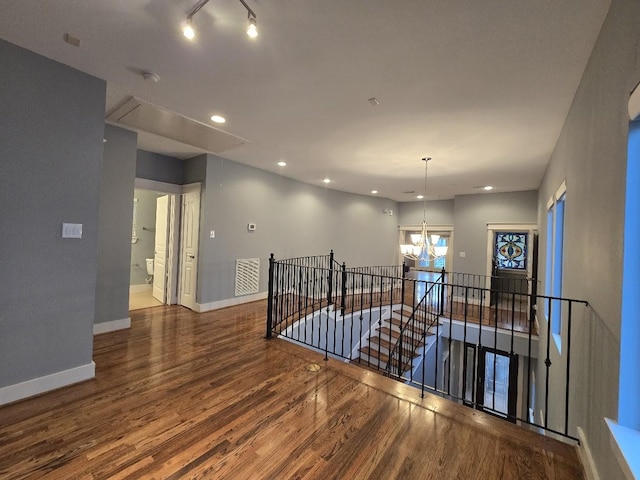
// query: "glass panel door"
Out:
[497,382]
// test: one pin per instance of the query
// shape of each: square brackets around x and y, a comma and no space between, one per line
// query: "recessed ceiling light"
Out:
[327,180]
[420,197]
[488,187]
[218,119]
[374,192]
[282,164]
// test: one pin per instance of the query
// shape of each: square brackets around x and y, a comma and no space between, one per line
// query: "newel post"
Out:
[330,289]
[272,261]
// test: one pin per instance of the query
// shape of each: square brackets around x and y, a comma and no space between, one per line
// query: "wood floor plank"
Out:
[182,395]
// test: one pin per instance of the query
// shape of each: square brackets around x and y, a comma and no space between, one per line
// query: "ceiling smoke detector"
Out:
[373,101]
[150,77]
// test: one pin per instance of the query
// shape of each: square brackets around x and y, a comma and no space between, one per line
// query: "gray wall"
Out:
[144,247]
[161,168]
[473,212]
[438,212]
[114,239]
[51,131]
[469,215]
[292,219]
[591,154]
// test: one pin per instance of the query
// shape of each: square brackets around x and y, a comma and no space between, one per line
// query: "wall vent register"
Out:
[247,276]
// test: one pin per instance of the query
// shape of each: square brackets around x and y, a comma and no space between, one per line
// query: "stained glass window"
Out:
[511,250]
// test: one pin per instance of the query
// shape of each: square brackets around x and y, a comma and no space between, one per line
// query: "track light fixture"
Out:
[189,32]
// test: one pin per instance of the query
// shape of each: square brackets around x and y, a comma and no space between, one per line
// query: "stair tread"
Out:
[408,338]
[373,353]
[384,342]
[383,357]
[415,326]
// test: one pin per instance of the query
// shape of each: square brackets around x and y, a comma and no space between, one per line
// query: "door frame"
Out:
[163,278]
[512,392]
[175,228]
[403,239]
[529,228]
[187,189]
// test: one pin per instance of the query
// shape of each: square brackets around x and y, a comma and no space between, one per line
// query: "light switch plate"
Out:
[463,254]
[212,234]
[71,230]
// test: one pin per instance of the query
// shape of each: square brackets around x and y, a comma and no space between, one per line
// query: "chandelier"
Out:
[424,247]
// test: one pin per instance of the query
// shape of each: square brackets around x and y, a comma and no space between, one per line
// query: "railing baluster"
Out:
[547,363]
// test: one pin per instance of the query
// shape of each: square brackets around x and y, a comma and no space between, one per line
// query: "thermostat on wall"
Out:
[251,227]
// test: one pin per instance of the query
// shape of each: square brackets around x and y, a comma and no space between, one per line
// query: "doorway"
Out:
[150,253]
[511,261]
[164,244]
[489,380]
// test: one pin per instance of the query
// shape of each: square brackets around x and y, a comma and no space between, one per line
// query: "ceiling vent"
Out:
[142,116]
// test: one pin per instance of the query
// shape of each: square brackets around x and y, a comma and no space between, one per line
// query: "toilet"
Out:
[150,266]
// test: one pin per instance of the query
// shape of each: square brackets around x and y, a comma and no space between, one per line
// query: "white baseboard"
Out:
[584,452]
[471,301]
[145,287]
[36,386]
[111,326]
[229,302]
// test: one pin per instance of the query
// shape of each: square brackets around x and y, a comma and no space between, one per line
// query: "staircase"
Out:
[400,336]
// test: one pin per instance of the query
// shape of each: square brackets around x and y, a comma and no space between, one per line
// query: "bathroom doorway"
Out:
[164,244]
[151,252]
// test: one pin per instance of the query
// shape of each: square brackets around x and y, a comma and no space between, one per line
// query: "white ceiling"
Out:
[482,86]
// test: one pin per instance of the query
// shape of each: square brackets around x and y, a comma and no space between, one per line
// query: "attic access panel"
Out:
[147,117]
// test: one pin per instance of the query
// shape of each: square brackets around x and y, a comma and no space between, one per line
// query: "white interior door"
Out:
[189,248]
[160,249]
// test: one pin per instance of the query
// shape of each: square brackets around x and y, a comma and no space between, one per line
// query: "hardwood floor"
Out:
[186,395]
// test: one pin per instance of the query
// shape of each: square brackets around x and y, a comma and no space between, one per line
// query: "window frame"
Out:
[554,262]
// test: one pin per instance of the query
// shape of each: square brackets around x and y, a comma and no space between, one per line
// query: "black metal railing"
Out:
[444,335]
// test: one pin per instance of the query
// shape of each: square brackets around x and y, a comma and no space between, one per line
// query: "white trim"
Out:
[191,187]
[550,203]
[470,301]
[111,326]
[562,189]
[634,104]
[229,302]
[36,386]
[584,452]
[516,227]
[144,287]
[431,226]
[624,443]
[173,250]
